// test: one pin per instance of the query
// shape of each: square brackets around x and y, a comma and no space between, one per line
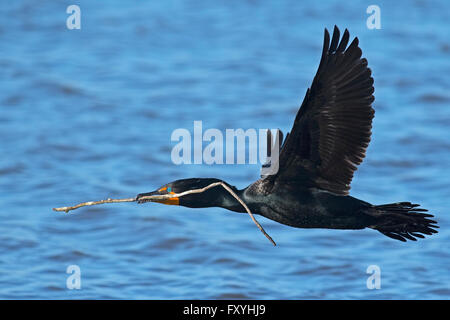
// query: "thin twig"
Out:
[173,195]
[91,203]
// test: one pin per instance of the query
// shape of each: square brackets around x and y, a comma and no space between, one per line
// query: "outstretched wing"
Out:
[332,128]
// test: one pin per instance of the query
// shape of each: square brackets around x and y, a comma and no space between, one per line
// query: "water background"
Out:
[87,114]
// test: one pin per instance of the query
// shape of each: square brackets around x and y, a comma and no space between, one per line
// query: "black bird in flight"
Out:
[317,159]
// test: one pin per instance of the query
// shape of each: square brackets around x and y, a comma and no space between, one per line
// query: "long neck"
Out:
[216,197]
[228,201]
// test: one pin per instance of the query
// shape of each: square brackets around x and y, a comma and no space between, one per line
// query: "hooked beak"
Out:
[160,196]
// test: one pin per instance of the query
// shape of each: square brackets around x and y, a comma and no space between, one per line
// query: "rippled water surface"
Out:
[87,114]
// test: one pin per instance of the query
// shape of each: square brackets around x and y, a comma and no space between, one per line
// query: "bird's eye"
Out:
[165,190]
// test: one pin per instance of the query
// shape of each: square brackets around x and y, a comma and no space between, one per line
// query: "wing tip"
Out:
[335,39]
[337,44]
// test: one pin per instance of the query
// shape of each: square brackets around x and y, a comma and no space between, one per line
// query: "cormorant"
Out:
[329,138]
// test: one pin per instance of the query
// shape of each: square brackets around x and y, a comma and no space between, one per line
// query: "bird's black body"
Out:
[317,159]
[297,206]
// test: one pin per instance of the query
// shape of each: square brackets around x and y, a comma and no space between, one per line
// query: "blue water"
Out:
[87,114]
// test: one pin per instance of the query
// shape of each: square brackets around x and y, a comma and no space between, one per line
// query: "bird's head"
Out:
[215,196]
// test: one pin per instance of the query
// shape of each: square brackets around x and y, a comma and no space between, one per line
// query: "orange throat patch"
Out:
[170,201]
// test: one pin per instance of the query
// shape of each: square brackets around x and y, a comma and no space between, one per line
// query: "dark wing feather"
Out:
[332,128]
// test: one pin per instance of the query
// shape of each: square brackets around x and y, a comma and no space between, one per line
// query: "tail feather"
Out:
[403,220]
